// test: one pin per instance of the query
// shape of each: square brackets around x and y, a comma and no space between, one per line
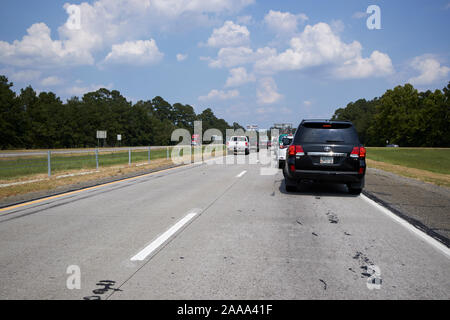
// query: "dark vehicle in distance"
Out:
[326,151]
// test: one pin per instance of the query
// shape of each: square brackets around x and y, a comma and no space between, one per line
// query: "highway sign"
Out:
[101,134]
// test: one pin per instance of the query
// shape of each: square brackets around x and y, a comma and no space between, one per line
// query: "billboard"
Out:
[252,127]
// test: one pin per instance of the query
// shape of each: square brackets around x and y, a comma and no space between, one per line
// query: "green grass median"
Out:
[435,160]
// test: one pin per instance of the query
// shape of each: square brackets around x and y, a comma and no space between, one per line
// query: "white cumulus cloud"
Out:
[267,92]
[318,45]
[141,52]
[430,70]
[238,77]
[229,35]
[23,76]
[219,95]
[38,49]
[231,57]
[104,23]
[180,7]
[284,22]
[378,64]
[51,81]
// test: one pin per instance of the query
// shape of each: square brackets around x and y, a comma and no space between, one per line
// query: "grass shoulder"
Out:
[430,165]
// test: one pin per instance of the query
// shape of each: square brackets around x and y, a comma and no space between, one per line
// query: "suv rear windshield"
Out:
[326,133]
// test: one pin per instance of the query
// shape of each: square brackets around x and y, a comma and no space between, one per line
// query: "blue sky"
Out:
[251,61]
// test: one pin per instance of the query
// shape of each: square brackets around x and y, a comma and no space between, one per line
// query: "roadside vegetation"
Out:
[42,121]
[430,159]
[402,116]
[13,168]
[419,122]
[425,164]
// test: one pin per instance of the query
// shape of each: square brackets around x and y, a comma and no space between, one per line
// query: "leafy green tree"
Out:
[8,106]
[44,121]
[361,114]
[396,119]
[402,116]
[163,109]
[237,126]
[434,117]
[184,116]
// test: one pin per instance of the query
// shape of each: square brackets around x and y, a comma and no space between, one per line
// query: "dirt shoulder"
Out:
[425,205]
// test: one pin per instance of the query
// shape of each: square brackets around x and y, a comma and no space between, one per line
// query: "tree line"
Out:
[29,120]
[402,116]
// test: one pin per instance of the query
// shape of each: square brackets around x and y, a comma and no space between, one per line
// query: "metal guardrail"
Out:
[15,164]
[74,151]
[21,163]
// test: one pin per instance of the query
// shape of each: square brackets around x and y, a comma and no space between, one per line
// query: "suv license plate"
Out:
[326,160]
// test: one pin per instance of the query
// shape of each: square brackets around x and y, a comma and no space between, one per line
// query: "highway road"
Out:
[211,231]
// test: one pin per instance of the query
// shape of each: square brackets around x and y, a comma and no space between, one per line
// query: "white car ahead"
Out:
[238,144]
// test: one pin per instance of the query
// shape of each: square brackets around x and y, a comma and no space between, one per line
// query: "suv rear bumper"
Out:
[324,176]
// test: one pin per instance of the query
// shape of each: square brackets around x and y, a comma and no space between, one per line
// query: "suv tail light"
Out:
[246,144]
[362,152]
[295,150]
[358,152]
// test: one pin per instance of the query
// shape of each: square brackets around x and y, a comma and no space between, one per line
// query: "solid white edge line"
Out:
[144,253]
[430,240]
[241,174]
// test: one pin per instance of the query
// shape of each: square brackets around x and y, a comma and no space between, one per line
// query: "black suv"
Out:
[326,151]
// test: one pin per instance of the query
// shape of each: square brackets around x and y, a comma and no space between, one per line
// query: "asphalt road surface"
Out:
[214,231]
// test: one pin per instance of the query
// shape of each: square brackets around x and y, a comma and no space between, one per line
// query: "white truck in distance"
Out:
[238,144]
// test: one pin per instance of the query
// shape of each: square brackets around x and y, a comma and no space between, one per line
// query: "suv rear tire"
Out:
[354,191]
[290,188]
